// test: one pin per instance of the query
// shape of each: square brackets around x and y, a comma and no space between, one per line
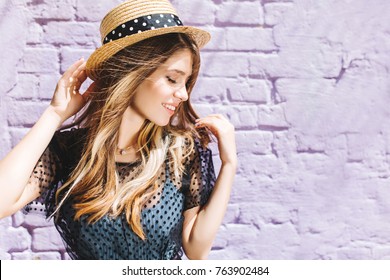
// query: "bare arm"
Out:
[17,166]
[201,224]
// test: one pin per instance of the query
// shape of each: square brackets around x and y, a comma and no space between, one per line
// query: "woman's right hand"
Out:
[67,99]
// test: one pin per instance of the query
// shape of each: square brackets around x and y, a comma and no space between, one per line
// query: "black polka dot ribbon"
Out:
[142,24]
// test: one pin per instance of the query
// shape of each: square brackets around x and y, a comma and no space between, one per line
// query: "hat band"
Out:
[142,24]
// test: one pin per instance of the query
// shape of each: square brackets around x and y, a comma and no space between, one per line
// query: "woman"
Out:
[133,178]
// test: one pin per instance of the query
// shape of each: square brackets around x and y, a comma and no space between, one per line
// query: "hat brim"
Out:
[101,54]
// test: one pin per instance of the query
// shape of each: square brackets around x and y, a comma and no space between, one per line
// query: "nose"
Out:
[182,94]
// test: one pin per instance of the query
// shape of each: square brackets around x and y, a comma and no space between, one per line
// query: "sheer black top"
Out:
[113,238]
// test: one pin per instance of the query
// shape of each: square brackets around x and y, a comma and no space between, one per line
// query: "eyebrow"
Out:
[179,71]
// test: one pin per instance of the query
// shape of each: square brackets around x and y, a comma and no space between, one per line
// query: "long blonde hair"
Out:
[93,184]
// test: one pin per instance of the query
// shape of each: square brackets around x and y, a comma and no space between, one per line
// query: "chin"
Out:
[160,122]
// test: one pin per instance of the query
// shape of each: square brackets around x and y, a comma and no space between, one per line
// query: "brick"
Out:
[45,239]
[203,110]
[212,90]
[13,40]
[46,9]
[26,87]
[36,256]
[88,11]
[39,60]
[265,165]
[250,39]
[218,39]
[240,190]
[272,117]
[66,33]
[315,163]
[256,142]
[249,90]
[235,114]
[242,117]
[381,252]
[17,134]
[319,113]
[22,256]
[297,63]
[204,15]
[277,1]
[35,33]
[245,241]
[274,12]
[309,86]
[4,255]
[277,241]
[357,170]
[224,64]
[354,253]
[37,220]
[260,213]
[15,239]
[70,55]
[220,241]
[65,256]
[5,223]
[47,256]
[361,147]
[245,13]
[18,219]
[232,214]
[310,144]
[233,233]
[308,250]
[226,254]
[47,85]
[5,143]
[28,113]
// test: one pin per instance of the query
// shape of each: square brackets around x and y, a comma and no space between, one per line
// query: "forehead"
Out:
[180,60]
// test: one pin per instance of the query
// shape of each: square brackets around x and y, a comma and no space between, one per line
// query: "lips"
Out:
[169,107]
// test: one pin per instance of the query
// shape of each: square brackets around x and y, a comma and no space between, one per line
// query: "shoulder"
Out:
[68,143]
[196,151]
[74,135]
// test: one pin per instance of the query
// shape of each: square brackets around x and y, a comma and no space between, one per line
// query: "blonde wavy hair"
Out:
[93,184]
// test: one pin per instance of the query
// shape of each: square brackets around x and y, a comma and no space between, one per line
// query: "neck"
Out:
[130,126]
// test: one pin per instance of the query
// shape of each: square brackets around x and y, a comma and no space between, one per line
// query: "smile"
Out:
[169,107]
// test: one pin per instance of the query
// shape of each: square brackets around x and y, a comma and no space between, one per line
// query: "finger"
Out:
[82,76]
[208,122]
[92,87]
[220,116]
[77,72]
[206,119]
[68,73]
[80,79]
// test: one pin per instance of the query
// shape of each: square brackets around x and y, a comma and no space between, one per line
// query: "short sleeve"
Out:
[199,179]
[43,177]
[53,168]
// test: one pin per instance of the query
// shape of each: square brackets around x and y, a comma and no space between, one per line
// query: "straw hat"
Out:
[135,20]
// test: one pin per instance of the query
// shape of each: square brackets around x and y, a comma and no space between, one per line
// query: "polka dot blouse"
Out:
[113,238]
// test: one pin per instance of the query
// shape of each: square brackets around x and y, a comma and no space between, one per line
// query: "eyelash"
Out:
[171,80]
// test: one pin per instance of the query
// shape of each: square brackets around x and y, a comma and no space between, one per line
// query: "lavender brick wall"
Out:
[306,84]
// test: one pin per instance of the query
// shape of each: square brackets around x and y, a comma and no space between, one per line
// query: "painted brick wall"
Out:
[306,84]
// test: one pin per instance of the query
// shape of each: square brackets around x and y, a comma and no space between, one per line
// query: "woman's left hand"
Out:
[224,132]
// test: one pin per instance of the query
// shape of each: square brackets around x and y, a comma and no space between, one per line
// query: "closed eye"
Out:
[171,80]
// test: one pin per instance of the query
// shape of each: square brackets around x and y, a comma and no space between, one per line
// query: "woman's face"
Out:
[158,97]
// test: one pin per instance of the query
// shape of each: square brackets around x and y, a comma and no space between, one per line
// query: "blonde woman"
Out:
[133,177]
